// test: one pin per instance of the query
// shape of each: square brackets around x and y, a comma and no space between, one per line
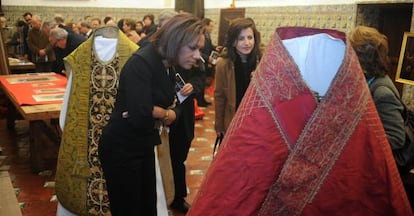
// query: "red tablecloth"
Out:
[35,88]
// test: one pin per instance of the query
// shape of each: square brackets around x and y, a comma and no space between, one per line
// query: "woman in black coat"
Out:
[145,100]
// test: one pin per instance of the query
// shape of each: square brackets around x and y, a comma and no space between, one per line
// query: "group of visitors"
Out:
[301,121]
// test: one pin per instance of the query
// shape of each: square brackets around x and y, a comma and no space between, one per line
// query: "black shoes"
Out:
[203,103]
[180,205]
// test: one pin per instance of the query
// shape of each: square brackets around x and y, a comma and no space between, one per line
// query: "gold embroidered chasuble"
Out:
[80,185]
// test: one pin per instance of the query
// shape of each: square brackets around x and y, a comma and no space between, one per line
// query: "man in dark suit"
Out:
[209,61]
[180,137]
[27,19]
[64,44]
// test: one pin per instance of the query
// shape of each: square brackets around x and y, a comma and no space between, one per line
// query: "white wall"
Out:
[170,3]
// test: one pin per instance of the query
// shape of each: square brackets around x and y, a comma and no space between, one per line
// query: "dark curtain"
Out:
[195,7]
[1,10]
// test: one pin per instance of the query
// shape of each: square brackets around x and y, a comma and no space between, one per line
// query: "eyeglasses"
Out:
[28,20]
[54,42]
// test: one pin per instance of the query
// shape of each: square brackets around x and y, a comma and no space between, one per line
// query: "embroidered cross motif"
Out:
[103,77]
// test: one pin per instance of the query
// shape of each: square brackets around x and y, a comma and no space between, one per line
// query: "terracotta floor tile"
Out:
[36,197]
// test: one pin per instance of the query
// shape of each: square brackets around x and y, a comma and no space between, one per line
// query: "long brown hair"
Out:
[236,26]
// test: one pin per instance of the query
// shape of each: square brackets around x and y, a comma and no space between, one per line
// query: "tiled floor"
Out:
[35,190]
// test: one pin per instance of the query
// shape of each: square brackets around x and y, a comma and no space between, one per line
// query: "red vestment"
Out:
[287,154]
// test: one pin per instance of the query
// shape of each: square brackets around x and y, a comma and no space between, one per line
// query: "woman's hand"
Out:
[158,112]
[187,89]
[167,116]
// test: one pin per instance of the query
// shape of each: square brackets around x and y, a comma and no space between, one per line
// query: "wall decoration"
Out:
[226,16]
[405,69]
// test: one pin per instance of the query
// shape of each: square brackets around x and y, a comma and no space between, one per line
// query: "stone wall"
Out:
[339,17]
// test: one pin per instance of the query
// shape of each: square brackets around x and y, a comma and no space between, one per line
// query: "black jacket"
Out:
[73,41]
[143,83]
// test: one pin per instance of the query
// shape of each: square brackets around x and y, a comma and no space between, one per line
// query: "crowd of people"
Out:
[253,101]
[32,46]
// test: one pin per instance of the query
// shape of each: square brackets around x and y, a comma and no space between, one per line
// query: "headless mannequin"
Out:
[318,58]
[105,47]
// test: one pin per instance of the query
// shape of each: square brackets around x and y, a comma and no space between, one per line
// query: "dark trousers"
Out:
[179,150]
[44,66]
[200,95]
[131,186]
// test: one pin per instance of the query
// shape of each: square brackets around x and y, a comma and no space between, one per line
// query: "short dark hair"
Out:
[120,24]
[179,31]
[20,23]
[106,19]
[27,13]
[150,16]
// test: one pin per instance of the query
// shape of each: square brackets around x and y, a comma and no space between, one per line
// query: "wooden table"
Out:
[21,67]
[37,115]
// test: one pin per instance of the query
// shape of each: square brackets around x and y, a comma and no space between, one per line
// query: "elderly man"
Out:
[42,51]
[6,32]
[64,44]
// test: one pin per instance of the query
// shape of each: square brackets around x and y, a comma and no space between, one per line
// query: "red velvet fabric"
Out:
[286,154]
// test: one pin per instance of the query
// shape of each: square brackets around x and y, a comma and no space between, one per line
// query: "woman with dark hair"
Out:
[234,68]
[149,24]
[371,48]
[120,24]
[145,103]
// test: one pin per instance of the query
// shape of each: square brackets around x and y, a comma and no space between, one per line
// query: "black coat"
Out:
[73,41]
[182,133]
[206,51]
[143,83]
[183,127]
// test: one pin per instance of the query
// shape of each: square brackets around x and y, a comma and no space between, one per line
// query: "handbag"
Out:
[219,138]
[405,156]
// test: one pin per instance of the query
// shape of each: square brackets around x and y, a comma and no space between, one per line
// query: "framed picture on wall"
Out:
[405,69]
[226,16]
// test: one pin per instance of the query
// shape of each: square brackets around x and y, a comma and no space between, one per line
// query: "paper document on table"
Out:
[49,90]
[48,97]
[179,84]
[32,78]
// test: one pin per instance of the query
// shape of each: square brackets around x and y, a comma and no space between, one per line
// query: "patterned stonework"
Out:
[339,17]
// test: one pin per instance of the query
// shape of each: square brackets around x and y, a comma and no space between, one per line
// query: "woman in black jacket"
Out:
[146,100]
